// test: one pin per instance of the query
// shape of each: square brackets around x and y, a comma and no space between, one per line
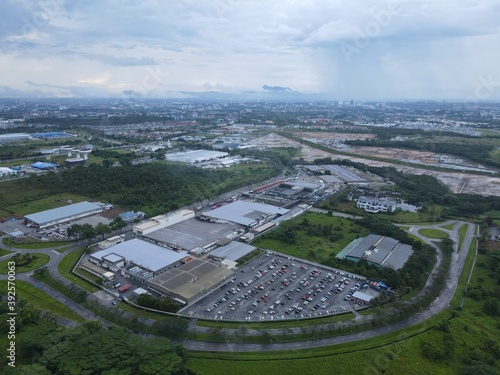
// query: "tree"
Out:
[171,327]
[102,229]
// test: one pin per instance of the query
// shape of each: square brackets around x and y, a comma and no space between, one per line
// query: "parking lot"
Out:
[274,286]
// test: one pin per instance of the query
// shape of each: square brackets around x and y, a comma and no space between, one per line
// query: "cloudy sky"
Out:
[349,49]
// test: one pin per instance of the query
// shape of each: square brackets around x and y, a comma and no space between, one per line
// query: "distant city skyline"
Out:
[338,50]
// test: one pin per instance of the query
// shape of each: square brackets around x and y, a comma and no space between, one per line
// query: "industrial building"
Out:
[232,251]
[63,214]
[44,165]
[162,221]
[195,235]
[191,281]
[378,250]
[14,137]
[248,214]
[131,216]
[5,172]
[138,259]
[375,205]
[196,156]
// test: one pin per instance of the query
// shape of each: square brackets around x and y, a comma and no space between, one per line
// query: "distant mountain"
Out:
[277,89]
[131,94]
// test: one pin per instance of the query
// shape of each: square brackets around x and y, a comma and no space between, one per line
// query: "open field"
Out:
[313,247]
[24,202]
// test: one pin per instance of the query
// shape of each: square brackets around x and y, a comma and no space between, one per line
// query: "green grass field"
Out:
[462,231]
[35,296]
[39,261]
[65,266]
[4,252]
[24,202]
[317,248]
[433,233]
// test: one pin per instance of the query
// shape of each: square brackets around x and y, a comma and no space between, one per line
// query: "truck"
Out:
[124,288]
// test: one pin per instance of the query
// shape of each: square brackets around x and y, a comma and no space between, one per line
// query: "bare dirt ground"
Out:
[273,140]
[457,182]
[332,136]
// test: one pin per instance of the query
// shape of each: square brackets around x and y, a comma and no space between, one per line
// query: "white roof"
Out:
[56,214]
[143,254]
[245,213]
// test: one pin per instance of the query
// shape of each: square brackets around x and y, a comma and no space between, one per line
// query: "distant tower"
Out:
[169,145]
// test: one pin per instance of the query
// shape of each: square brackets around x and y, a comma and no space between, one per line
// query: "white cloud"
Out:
[358,49]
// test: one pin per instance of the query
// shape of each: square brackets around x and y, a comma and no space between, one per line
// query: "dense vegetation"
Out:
[163,304]
[153,188]
[92,349]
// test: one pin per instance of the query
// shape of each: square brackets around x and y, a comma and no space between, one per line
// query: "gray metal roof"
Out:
[343,173]
[245,213]
[233,251]
[143,254]
[60,213]
[385,251]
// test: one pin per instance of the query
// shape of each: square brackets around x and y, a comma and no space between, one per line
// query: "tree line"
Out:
[153,188]
[93,349]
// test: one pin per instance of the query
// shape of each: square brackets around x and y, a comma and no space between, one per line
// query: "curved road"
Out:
[439,304]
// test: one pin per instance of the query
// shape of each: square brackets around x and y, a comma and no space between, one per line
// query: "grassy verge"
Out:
[33,245]
[333,349]
[462,231]
[462,284]
[4,252]
[66,265]
[433,233]
[448,226]
[38,261]
[35,296]
[276,324]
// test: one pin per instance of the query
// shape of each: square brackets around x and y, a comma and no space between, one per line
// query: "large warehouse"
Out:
[248,214]
[196,156]
[378,250]
[191,281]
[63,214]
[194,234]
[139,259]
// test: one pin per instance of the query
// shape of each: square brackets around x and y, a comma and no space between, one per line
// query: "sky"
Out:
[343,50]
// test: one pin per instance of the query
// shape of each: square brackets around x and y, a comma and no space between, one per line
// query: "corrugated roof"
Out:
[245,213]
[143,254]
[60,213]
[233,251]
[385,251]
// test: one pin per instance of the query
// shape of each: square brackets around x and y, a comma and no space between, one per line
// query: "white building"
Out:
[376,205]
[4,172]
[162,221]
